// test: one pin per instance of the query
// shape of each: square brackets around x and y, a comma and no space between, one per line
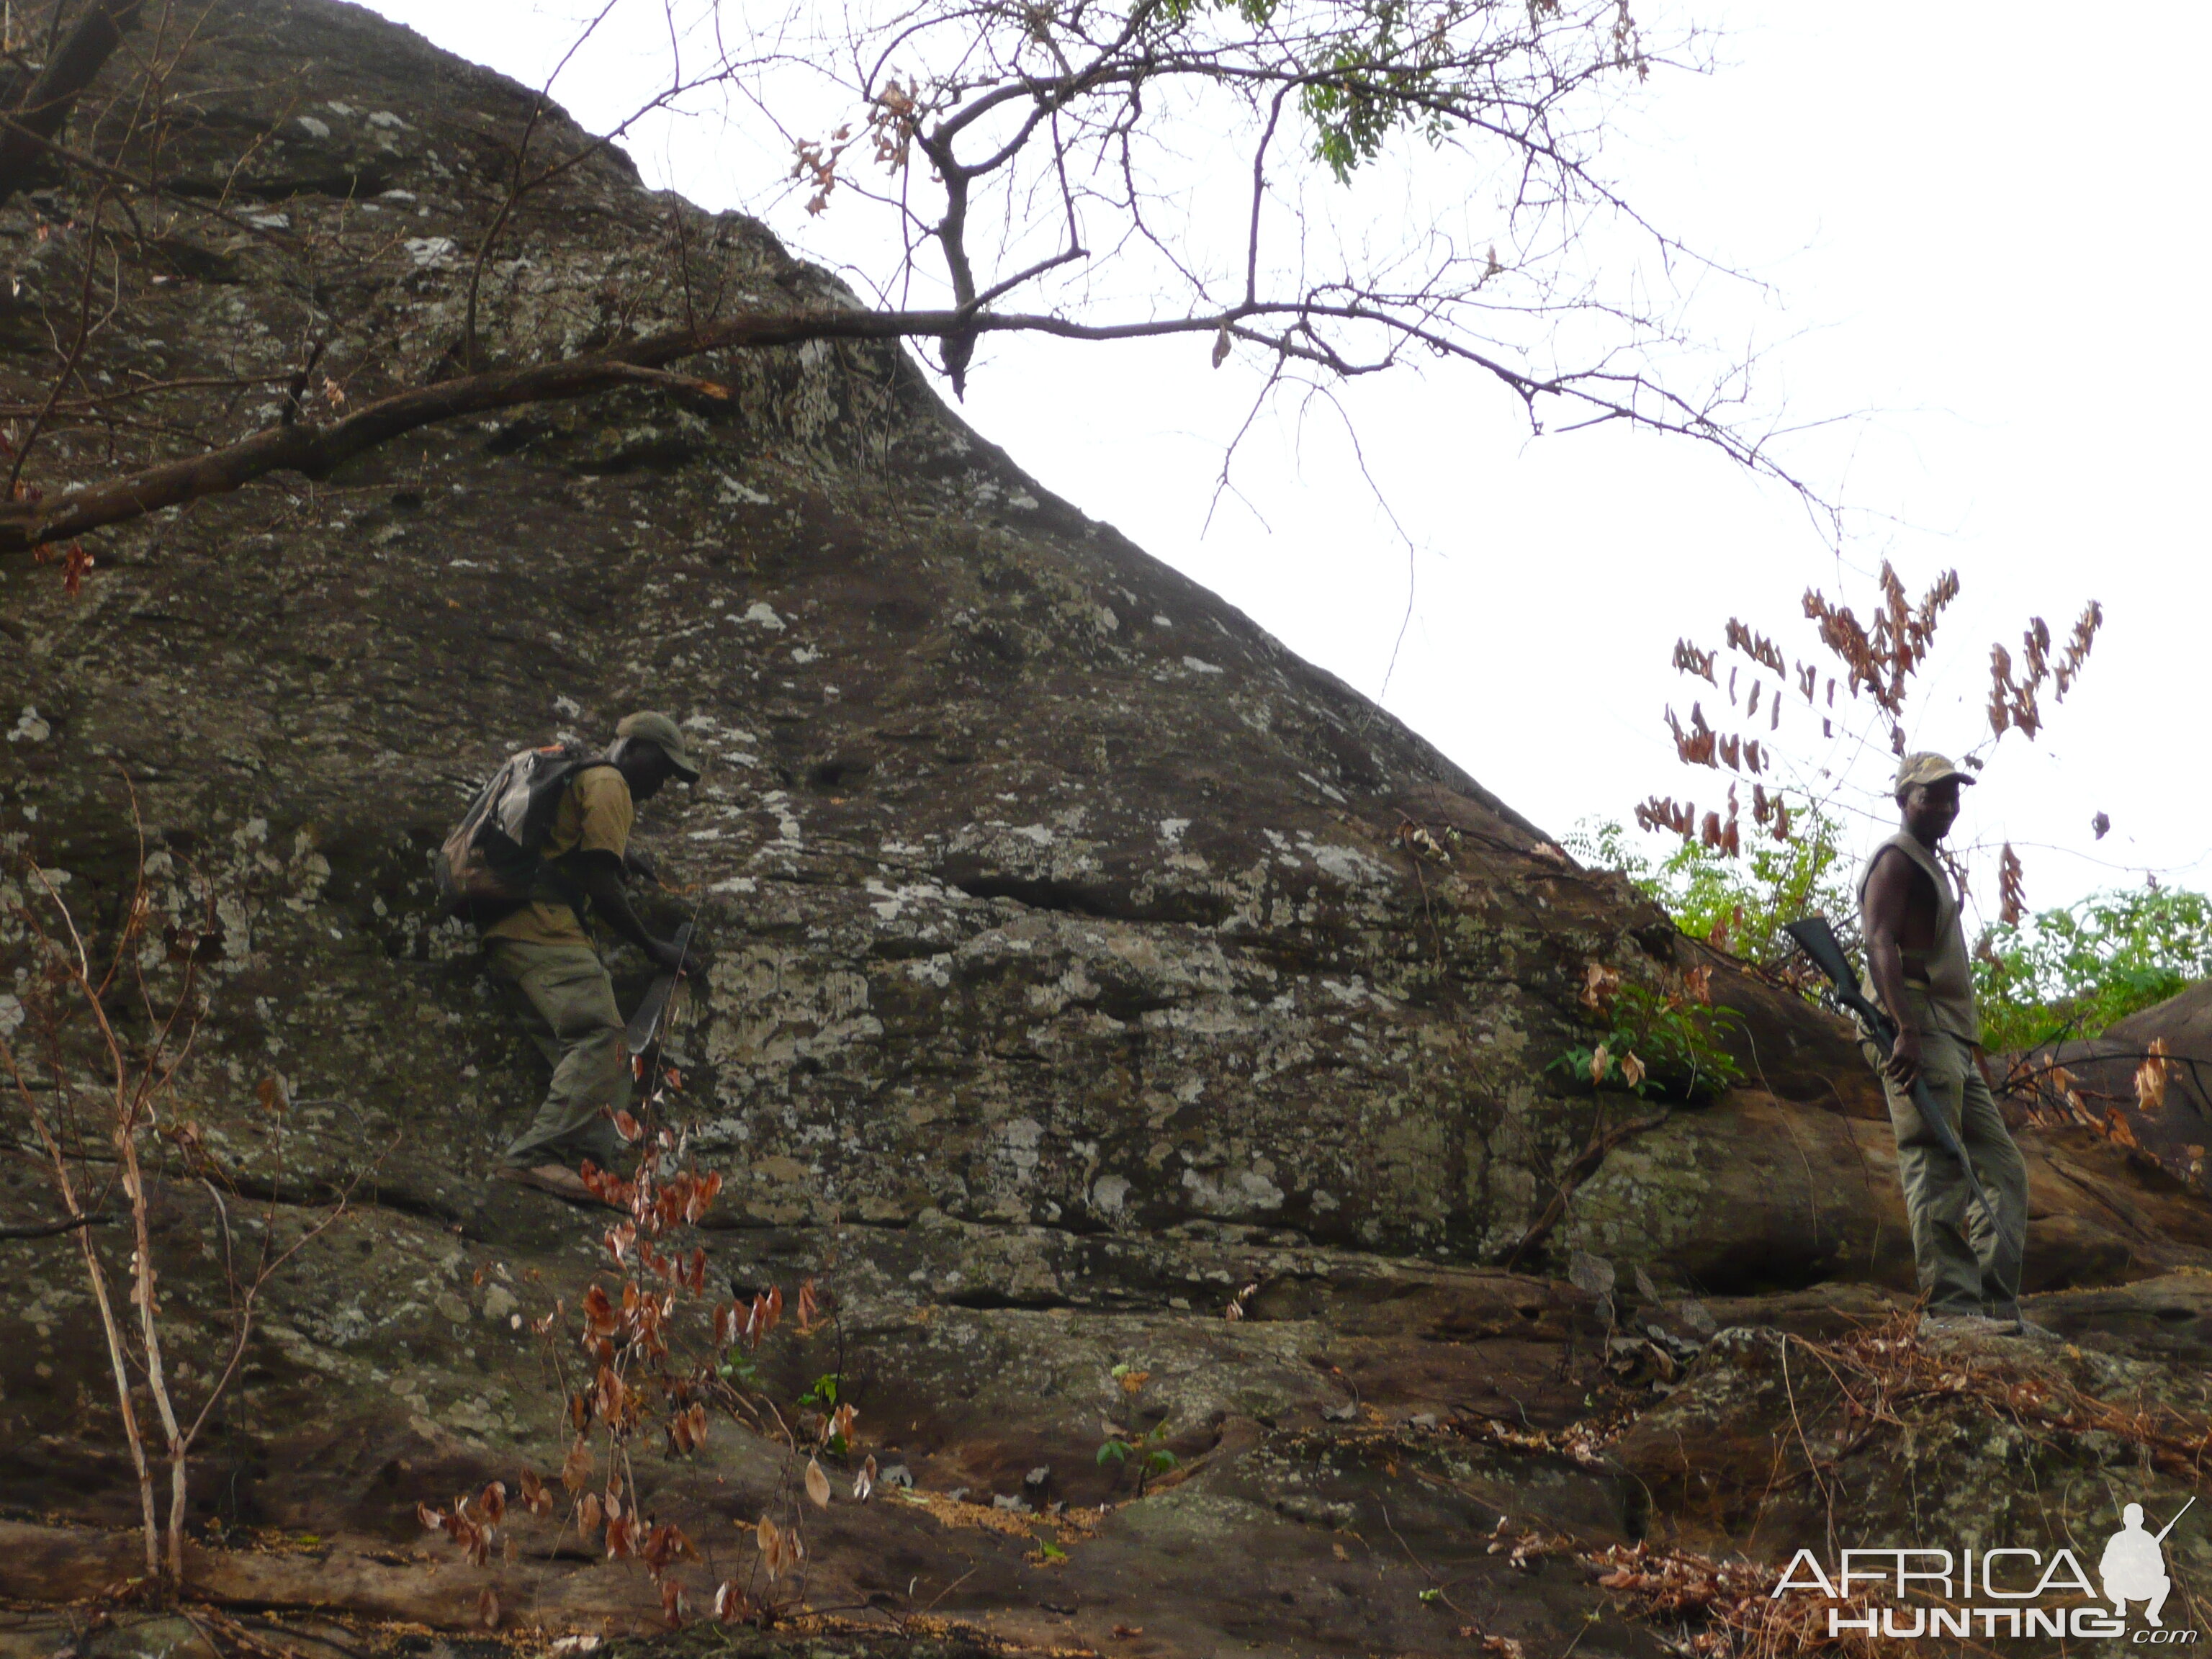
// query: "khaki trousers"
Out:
[1963,1267]
[567,1005]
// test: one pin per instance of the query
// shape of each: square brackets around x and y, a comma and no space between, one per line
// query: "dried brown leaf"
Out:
[1600,984]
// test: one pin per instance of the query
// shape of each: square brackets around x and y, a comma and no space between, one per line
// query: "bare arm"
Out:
[598,876]
[1889,901]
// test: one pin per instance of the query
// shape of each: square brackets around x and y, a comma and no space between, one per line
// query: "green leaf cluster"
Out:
[1678,1038]
[2069,972]
[1147,1446]
[1737,905]
[1365,68]
[1156,1459]
[2072,971]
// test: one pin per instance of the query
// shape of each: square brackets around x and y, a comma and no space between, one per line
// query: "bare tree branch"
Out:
[68,70]
[316,452]
[49,1228]
[1029,120]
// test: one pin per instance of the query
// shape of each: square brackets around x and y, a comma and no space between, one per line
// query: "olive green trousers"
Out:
[567,1006]
[1964,1266]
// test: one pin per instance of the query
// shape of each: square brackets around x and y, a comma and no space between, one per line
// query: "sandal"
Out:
[556,1179]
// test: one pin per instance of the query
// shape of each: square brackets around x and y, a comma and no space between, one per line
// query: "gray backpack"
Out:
[492,859]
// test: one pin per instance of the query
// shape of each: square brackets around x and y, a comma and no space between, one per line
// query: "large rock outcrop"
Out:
[1081,958]
[2100,1074]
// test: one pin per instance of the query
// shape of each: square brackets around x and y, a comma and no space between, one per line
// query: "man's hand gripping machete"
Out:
[644,1023]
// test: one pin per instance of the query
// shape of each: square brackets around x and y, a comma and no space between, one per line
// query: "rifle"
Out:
[1817,941]
[2170,1525]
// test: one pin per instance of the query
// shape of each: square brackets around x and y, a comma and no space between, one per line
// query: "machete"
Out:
[1818,940]
[644,1023]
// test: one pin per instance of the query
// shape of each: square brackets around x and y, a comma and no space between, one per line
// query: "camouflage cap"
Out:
[664,734]
[1928,767]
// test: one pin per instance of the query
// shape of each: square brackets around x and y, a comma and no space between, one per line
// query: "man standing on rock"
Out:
[542,950]
[1969,1261]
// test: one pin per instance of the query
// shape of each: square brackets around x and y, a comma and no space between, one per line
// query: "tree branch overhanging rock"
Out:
[46,106]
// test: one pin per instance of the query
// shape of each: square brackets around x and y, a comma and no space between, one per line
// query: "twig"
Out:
[48,1229]
[1585,1163]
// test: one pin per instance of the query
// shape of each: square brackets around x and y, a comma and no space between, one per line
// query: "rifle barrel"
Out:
[2176,1522]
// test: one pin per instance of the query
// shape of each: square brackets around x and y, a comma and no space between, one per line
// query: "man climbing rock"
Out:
[541,949]
[1969,1261]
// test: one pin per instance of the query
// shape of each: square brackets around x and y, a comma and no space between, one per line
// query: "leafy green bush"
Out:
[1735,904]
[2071,972]
[2066,973]
[1658,1039]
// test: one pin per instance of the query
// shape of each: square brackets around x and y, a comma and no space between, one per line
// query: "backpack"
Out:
[491,861]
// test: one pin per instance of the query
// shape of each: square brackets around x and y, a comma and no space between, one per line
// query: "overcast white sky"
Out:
[1982,228]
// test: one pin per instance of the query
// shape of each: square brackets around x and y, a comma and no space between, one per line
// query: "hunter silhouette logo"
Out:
[2134,1567]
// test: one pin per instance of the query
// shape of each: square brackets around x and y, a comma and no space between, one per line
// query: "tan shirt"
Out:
[1944,980]
[595,816]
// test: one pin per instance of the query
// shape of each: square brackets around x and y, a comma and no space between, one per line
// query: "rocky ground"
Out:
[1085,965]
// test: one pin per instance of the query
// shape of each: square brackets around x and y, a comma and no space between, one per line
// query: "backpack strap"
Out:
[550,869]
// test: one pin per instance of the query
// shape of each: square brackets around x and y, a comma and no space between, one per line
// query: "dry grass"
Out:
[1713,1608]
[1886,1368]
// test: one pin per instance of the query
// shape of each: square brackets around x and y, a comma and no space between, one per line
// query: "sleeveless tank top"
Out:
[1945,982]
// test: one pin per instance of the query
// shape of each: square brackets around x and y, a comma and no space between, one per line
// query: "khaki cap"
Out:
[1927,768]
[662,732]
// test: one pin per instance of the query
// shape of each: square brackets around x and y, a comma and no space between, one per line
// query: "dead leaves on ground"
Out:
[1583,1443]
[1730,1605]
[1885,1367]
